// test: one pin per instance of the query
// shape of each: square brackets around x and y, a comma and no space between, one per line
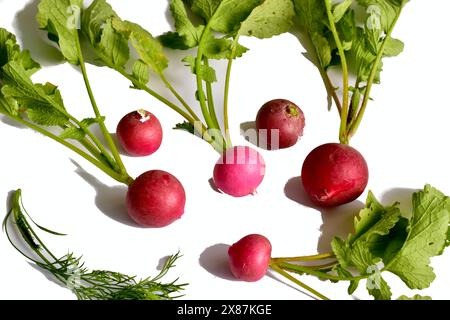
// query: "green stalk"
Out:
[345,103]
[106,134]
[122,178]
[201,92]
[355,125]
[316,257]
[210,97]
[179,97]
[227,93]
[277,269]
[314,272]
[204,135]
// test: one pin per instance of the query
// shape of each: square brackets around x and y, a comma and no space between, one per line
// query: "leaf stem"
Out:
[201,92]
[277,269]
[316,257]
[179,97]
[101,122]
[227,93]
[122,178]
[210,98]
[345,103]
[314,272]
[355,125]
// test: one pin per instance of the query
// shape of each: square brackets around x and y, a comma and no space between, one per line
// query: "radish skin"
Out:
[140,133]
[334,174]
[156,199]
[239,171]
[249,258]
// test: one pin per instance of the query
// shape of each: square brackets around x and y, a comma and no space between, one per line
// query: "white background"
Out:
[403,137]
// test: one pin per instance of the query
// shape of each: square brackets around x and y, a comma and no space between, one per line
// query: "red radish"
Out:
[156,199]
[249,258]
[334,174]
[280,124]
[140,133]
[239,171]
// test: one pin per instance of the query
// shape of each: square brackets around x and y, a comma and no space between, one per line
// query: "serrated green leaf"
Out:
[207,73]
[73,134]
[383,10]
[341,9]
[86,123]
[112,46]
[230,13]
[310,16]
[344,273]
[141,72]
[393,47]
[61,19]
[427,235]
[10,50]
[378,287]
[43,103]
[185,126]
[222,49]
[149,49]
[205,8]
[271,18]
[187,32]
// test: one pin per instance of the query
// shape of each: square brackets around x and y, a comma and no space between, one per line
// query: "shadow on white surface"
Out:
[401,195]
[215,260]
[32,38]
[274,276]
[248,132]
[10,122]
[109,200]
[337,222]
[213,186]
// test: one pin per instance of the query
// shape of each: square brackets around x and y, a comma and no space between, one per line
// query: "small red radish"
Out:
[280,124]
[156,199]
[249,258]
[140,133]
[334,174]
[239,171]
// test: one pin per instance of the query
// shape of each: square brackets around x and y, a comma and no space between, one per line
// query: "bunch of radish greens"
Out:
[353,37]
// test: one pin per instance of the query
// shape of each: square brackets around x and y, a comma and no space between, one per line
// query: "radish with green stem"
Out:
[338,40]
[41,107]
[216,37]
[239,171]
[383,242]
[280,124]
[140,133]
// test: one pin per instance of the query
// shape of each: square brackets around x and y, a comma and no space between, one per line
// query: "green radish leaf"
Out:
[222,49]
[73,134]
[207,73]
[378,287]
[187,33]
[341,9]
[185,126]
[61,19]
[393,48]
[225,16]
[149,49]
[427,236]
[111,45]
[141,72]
[382,12]
[271,18]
